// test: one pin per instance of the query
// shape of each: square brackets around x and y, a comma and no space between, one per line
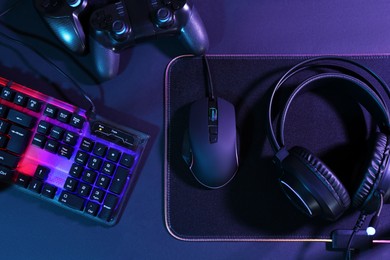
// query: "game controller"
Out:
[116,25]
[64,18]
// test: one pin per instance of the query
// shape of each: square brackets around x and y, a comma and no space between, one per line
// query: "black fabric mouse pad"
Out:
[252,206]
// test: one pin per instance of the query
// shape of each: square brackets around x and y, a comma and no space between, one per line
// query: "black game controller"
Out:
[116,25]
[64,18]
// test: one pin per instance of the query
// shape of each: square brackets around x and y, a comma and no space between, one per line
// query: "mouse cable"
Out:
[209,79]
[92,109]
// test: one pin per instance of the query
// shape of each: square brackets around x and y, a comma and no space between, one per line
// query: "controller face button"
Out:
[73,3]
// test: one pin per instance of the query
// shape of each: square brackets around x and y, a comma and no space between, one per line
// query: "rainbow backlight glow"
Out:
[60,167]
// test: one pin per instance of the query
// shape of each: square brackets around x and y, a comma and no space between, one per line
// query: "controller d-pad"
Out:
[103,20]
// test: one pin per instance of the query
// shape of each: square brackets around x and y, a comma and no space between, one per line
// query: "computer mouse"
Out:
[210,145]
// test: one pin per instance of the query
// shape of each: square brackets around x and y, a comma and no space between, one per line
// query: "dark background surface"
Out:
[31,229]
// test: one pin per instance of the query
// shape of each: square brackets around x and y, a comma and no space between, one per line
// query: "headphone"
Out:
[305,179]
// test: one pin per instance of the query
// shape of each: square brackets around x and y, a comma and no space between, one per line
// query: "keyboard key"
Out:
[49,190]
[65,151]
[70,138]
[127,160]
[3,141]
[8,159]
[52,146]
[72,200]
[70,184]
[84,190]
[119,180]
[20,99]
[41,172]
[81,158]
[89,176]
[7,94]
[100,149]
[94,163]
[35,186]
[19,139]
[39,140]
[108,207]
[113,154]
[77,121]
[76,170]
[3,110]
[56,132]
[108,168]
[97,194]
[86,145]
[4,127]
[23,180]
[64,116]
[92,208]
[20,118]
[103,181]
[6,174]
[34,105]
[44,127]
[50,111]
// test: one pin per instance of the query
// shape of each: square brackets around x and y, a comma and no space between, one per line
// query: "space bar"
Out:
[8,159]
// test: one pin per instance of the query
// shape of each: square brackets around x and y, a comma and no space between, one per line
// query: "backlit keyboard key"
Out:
[49,191]
[23,180]
[7,94]
[8,159]
[50,111]
[108,206]
[65,151]
[20,99]
[19,139]
[35,186]
[3,110]
[44,127]
[39,140]
[70,138]
[127,160]
[64,116]
[119,180]
[113,154]
[81,158]
[6,174]
[71,200]
[92,208]
[41,172]
[77,121]
[34,105]
[21,118]
[52,146]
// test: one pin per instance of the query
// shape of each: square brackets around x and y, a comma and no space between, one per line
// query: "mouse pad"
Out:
[252,207]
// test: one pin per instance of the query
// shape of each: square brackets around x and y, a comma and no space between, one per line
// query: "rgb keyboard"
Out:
[51,150]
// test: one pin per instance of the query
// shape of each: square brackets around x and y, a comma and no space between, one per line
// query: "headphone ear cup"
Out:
[373,171]
[312,187]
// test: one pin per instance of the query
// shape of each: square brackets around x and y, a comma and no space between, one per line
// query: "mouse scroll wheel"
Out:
[213,114]
[213,125]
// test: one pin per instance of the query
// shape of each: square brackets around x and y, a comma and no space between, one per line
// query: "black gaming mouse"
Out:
[210,145]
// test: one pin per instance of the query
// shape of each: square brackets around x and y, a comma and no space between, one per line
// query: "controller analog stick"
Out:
[119,27]
[164,17]
[73,3]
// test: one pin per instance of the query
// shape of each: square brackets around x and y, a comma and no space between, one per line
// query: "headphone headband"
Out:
[367,93]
